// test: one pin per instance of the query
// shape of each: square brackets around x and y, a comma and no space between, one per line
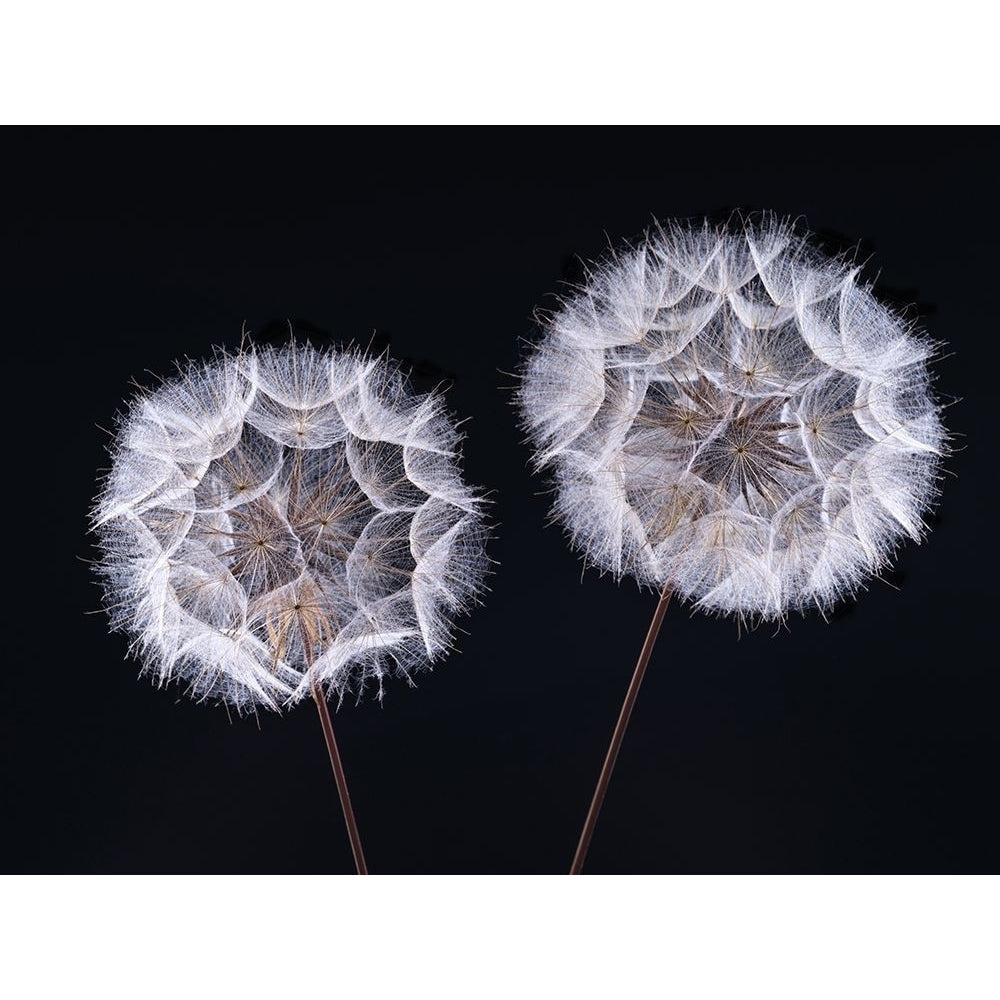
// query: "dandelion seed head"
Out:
[730,412]
[282,517]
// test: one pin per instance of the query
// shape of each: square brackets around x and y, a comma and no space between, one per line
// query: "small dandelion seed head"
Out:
[727,411]
[278,518]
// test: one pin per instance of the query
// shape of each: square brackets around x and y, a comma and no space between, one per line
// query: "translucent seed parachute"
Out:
[282,517]
[729,411]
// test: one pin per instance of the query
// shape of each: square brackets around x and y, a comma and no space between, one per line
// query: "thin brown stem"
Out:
[341,778]
[619,732]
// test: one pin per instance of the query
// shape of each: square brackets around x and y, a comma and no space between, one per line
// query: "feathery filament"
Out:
[731,413]
[276,519]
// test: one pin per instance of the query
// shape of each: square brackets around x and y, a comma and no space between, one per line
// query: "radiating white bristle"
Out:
[730,412]
[283,517]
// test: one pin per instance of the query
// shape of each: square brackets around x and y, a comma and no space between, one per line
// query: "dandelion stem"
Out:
[619,732]
[341,778]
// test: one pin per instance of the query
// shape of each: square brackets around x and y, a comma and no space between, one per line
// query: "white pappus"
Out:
[727,411]
[282,518]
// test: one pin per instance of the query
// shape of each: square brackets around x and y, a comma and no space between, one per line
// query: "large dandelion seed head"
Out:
[730,413]
[279,518]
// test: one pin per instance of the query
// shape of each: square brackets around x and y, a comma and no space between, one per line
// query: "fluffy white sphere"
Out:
[282,517]
[729,412]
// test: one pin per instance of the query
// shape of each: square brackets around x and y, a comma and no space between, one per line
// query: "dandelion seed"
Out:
[729,416]
[287,522]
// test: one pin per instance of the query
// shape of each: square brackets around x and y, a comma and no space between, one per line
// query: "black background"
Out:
[864,744]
